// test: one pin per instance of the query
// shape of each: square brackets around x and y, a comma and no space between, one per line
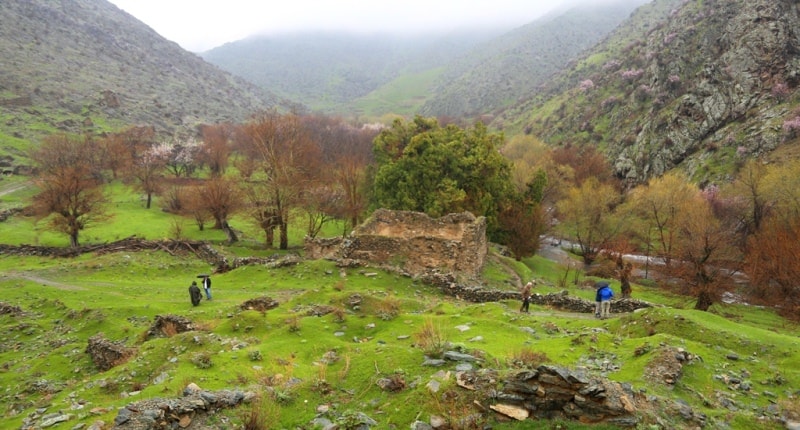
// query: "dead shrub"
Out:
[388,308]
[431,339]
[339,314]
[260,414]
[527,358]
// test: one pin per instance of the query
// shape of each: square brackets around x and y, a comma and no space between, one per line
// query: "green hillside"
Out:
[339,334]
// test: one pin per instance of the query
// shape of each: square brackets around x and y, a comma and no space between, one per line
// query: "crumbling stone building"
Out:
[411,241]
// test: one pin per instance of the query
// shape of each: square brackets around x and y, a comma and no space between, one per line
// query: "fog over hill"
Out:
[478,70]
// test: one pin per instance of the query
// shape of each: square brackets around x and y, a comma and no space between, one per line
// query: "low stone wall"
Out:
[187,412]
[562,300]
[552,392]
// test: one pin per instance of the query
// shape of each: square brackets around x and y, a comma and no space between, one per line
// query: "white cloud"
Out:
[198,25]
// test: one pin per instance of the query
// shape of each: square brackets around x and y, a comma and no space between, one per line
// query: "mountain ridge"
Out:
[83,65]
[689,85]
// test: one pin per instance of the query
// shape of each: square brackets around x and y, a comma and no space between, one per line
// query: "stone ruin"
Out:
[107,354]
[411,241]
[261,304]
[553,392]
[168,325]
[187,412]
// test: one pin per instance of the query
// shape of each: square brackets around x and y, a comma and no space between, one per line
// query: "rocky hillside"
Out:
[74,65]
[698,85]
[494,74]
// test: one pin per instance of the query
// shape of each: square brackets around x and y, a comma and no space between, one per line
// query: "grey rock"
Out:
[457,356]
[419,425]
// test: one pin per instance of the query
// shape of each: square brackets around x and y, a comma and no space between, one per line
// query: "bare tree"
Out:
[222,198]
[216,149]
[70,185]
[288,163]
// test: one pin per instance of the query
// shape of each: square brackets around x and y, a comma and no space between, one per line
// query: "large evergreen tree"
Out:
[439,170]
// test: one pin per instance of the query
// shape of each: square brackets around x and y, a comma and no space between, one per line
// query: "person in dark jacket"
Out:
[194,294]
[526,297]
[207,286]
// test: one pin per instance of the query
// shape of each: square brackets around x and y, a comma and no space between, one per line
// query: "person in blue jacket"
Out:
[602,299]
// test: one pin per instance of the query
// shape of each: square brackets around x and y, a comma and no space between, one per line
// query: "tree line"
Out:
[278,169]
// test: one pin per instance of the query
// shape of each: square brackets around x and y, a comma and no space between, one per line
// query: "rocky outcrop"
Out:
[684,84]
[411,241]
[187,412]
[107,354]
[261,304]
[551,392]
[169,325]
[7,309]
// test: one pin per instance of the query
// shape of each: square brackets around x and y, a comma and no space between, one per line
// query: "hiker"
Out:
[207,286]
[526,296]
[602,299]
[625,280]
[194,294]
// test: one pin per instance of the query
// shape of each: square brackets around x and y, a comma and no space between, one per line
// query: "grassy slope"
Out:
[402,96]
[43,363]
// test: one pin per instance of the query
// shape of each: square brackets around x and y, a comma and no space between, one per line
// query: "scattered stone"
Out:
[261,304]
[107,354]
[438,422]
[419,425]
[169,325]
[518,413]
[457,356]
[463,367]
[433,362]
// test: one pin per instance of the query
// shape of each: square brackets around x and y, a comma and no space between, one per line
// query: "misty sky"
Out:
[199,25]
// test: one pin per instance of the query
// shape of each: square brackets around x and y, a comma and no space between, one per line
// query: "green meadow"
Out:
[377,324]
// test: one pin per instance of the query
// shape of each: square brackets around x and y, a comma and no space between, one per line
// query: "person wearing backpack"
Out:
[602,299]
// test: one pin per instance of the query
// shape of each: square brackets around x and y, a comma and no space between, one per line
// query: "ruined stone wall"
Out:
[412,241]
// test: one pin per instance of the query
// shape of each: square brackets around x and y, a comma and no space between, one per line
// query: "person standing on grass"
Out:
[207,286]
[602,299]
[526,296]
[599,285]
[194,294]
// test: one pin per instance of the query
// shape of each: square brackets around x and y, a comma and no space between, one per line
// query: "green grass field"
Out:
[299,361]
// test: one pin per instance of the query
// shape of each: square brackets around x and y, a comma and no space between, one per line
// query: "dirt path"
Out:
[40,280]
[12,188]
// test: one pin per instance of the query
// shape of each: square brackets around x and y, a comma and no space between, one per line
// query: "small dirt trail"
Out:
[44,281]
[12,188]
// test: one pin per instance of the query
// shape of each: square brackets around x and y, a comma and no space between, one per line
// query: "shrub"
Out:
[388,308]
[527,358]
[431,339]
[202,360]
[293,324]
